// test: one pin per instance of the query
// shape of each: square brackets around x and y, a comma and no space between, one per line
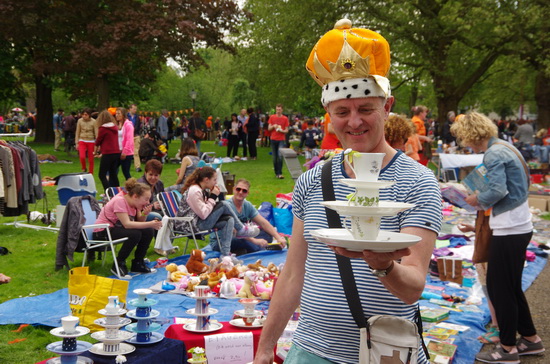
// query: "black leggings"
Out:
[139,238]
[504,272]
[109,163]
[252,144]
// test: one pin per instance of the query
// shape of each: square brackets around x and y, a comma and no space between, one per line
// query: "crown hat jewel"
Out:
[350,63]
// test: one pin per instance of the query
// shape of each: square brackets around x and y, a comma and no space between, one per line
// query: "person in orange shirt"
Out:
[330,140]
[419,116]
[208,128]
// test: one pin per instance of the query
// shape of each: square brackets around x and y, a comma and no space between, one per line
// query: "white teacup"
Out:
[366,197]
[112,306]
[365,166]
[69,324]
[363,227]
[142,294]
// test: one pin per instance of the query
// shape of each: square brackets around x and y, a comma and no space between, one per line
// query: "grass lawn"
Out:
[31,264]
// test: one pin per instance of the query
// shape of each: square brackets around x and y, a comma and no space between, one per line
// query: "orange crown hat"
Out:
[350,63]
[112,110]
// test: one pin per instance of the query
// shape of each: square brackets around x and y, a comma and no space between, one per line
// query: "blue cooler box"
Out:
[74,184]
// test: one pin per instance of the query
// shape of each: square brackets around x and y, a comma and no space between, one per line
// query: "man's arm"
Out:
[286,296]
[268,228]
[407,279]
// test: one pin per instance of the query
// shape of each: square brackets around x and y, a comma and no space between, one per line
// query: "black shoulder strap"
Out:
[344,263]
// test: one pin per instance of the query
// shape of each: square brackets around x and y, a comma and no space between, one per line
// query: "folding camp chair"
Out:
[292,162]
[91,243]
[111,192]
[169,202]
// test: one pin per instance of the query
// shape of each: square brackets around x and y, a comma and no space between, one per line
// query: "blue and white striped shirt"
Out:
[326,326]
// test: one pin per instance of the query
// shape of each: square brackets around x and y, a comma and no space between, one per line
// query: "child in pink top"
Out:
[126,214]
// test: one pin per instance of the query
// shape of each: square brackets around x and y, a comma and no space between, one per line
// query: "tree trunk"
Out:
[102,86]
[44,107]
[542,97]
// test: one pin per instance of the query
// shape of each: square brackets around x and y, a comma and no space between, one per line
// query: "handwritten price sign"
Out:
[231,348]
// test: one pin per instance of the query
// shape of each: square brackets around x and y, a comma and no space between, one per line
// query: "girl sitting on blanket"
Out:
[199,194]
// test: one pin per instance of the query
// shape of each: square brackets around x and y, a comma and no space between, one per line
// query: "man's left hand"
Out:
[373,259]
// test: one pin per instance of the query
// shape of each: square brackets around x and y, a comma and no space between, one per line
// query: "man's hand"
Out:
[373,259]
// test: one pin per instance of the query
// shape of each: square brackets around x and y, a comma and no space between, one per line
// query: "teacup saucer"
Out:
[240,323]
[357,183]
[123,349]
[386,242]
[78,331]
[211,311]
[214,326]
[384,208]
[121,336]
[152,314]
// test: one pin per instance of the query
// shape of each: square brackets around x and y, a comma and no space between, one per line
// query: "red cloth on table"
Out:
[192,339]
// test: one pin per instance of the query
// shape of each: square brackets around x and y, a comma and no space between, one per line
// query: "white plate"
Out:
[121,322]
[104,312]
[132,314]
[387,241]
[256,313]
[57,347]
[122,350]
[121,336]
[214,326]
[211,311]
[352,182]
[384,208]
[240,323]
[79,331]
[155,338]
[79,360]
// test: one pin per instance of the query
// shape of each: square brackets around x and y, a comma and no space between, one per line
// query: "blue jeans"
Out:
[224,219]
[277,157]
[541,153]
[240,244]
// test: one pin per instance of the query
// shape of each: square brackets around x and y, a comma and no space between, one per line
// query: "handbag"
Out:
[89,293]
[483,232]
[483,235]
[383,338]
[199,134]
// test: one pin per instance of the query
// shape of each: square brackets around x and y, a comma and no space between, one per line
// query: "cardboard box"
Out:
[539,202]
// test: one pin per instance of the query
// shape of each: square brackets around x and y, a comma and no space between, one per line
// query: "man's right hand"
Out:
[267,358]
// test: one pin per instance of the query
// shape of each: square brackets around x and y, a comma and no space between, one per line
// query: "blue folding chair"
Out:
[169,202]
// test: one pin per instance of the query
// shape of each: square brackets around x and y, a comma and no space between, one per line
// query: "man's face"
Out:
[152,177]
[240,191]
[278,109]
[359,123]
[133,109]
[243,112]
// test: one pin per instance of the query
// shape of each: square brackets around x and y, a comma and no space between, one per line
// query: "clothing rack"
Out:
[24,135]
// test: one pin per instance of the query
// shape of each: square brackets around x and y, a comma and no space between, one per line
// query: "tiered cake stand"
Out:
[111,340]
[202,311]
[69,348]
[144,329]
[364,210]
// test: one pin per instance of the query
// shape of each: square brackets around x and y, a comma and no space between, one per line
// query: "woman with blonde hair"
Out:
[506,195]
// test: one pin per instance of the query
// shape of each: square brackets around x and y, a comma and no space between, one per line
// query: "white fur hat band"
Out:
[354,88]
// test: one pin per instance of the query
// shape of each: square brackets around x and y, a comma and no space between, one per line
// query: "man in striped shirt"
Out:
[351,65]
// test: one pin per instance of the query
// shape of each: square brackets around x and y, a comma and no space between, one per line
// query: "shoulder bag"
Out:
[199,134]
[483,232]
[384,338]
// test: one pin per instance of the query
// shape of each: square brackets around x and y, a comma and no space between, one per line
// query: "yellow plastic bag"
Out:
[89,293]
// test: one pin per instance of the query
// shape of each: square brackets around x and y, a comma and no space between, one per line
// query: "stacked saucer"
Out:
[249,317]
[69,348]
[145,329]
[202,311]
[111,339]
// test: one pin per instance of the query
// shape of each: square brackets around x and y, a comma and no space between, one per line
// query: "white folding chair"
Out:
[91,243]
[111,192]
[169,202]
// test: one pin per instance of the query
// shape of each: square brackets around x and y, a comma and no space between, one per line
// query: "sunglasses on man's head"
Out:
[243,190]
